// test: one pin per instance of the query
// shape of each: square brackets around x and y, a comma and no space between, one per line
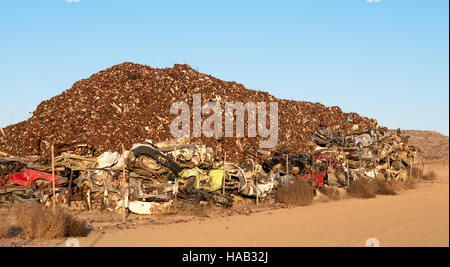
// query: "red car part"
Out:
[28,177]
[317,179]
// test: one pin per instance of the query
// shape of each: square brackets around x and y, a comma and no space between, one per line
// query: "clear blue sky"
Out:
[386,60]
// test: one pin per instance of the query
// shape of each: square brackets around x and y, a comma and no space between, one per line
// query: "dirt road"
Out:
[417,217]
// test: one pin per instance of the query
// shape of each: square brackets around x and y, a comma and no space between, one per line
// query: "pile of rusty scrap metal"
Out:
[128,103]
[372,155]
[149,175]
[152,178]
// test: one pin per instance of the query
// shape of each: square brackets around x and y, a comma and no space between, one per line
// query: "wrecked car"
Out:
[29,186]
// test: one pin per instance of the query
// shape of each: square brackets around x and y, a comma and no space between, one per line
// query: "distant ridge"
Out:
[432,144]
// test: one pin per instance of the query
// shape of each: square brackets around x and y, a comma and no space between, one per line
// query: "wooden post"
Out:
[69,187]
[411,163]
[175,202]
[389,167]
[257,195]
[312,175]
[256,187]
[224,173]
[287,164]
[124,198]
[175,194]
[256,177]
[411,172]
[346,170]
[53,176]
[422,163]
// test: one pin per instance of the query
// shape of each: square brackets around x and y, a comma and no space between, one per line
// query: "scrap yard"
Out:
[219,132]
[104,147]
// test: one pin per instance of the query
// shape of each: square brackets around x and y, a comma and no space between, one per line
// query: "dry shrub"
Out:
[365,188]
[429,176]
[330,192]
[4,227]
[298,193]
[201,211]
[409,184]
[36,221]
[361,188]
[382,187]
[416,172]
[7,229]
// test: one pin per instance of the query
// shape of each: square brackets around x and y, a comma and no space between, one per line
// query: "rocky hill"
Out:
[432,144]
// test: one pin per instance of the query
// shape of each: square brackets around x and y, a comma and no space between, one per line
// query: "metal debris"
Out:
[129,103]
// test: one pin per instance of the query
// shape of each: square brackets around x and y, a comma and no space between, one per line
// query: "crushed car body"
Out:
[151,178]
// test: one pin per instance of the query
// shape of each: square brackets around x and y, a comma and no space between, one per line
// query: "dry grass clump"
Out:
[385,188]
[409,184]
[201,211]
[36,221]
[361,188]
[7,230]
[416,172]
[364,188]
[4,227]
[298,193]
[429,176]
[330,192]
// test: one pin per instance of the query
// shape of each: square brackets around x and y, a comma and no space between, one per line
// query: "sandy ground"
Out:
[416,217]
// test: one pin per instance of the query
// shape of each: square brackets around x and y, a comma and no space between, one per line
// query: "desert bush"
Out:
[365,188]
[409,184]
[36,221]
[416,172]
[330,192]
[7,229]
[382,187]
[201,211]
[361,188]
[429,176]
[4,227]
[298,193]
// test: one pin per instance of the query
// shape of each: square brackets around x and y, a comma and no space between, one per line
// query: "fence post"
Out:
[53,177]
[124,198]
